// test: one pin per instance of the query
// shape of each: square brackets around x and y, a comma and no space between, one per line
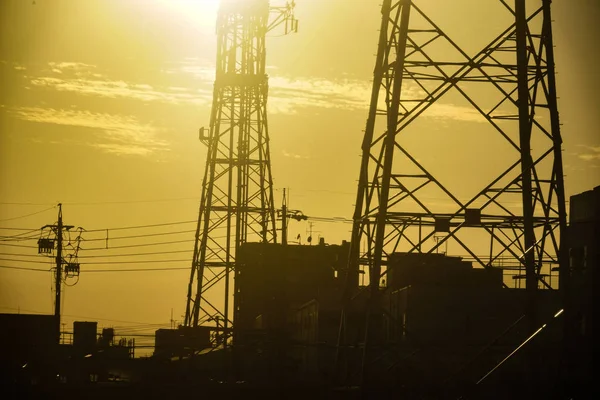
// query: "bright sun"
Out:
[197,12]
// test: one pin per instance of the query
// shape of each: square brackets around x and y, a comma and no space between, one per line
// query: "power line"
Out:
[99,262]
[26,261]
[119,228]
[138,245]
[139,226]
[145,235]
[24,204]
[331,219]
[137,254]
[130,201]
[140,269]
[19,245]
[19,255]
[139,236]
[315,218]
[133,262]
[323,191]
[105,270]
[107,255]
[16,239]
[141,245]
[115,228]
[113,247]
[28,215]
[18,229]
[80,316]
[138,325]
[25,268]
[18,235]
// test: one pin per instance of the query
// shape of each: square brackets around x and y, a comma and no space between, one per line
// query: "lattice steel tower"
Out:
[409,190]
[237,190]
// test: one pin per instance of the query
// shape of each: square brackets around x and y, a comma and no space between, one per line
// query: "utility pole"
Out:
[284,220]
[284,213]
[58,280]
[45,246]
[310,232]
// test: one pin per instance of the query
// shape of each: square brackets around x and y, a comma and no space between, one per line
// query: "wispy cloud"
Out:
[76,68]
[15,65]
[591,153]
[120,89]
[294,155]
[194,66]
[122,135]
[286,96]
[289,95]
[452,111]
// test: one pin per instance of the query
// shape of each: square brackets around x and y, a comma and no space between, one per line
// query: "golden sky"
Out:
[101,101]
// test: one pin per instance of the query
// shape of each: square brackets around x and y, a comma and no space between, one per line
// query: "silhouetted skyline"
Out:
[101,105]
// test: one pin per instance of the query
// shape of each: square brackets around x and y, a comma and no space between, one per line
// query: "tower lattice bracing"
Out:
[490,189]
[237,190]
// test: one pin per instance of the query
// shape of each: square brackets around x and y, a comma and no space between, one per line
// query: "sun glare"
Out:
[201,13]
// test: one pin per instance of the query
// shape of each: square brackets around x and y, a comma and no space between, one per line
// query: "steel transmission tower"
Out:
[514,217]
[237,190]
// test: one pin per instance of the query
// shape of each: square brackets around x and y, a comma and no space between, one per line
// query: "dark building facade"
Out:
[273,279]
[273,282]
[442,320]
[584,258]
[29,347]
[181,342]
